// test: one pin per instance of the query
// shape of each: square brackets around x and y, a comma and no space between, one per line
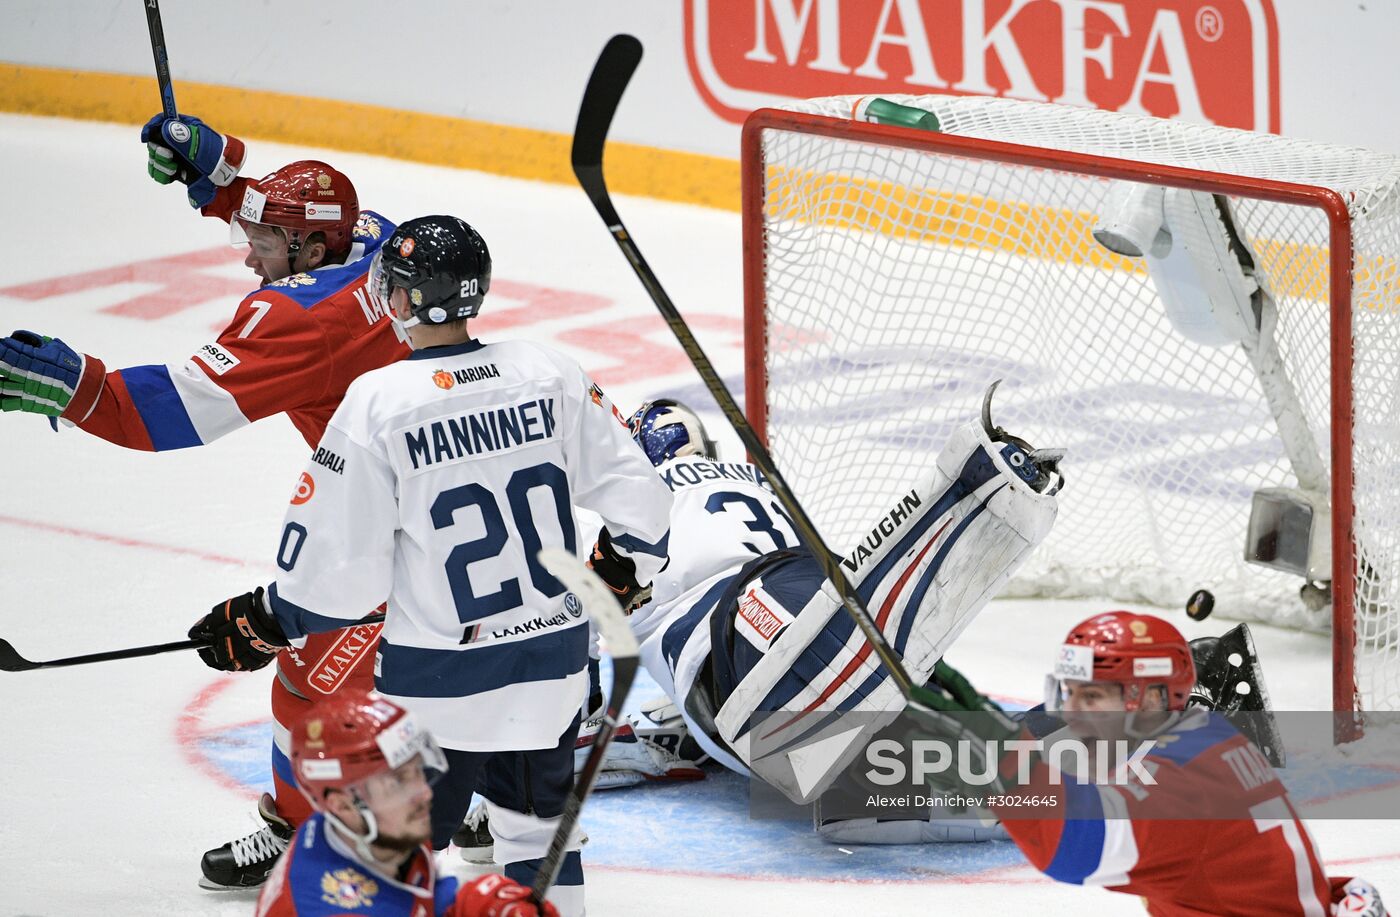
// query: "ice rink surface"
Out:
[116,777]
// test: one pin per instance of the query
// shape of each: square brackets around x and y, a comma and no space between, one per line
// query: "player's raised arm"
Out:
[292,346]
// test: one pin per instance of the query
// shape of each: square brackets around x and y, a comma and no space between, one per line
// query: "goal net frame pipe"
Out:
[1345,694]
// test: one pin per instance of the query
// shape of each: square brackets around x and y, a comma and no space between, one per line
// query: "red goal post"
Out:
[903,224]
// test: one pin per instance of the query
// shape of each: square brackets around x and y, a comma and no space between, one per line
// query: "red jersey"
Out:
[292,347]
[1253,856]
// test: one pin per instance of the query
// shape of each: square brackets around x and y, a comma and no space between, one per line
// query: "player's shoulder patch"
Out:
[369,227]
[294,280]
[595,395]
[309,289]
[1197,732]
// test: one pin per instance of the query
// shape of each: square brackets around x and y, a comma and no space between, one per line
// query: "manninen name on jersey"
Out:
[902,512]
[491,430]
[688,474]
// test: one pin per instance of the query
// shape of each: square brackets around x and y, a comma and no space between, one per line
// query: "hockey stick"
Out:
[607,614]
[12,661]
[167,91]
[610,76]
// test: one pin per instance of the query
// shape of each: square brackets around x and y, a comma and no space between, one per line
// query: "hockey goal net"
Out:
[892,273]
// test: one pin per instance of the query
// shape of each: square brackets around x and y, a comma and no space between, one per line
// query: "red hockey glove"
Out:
[494,895]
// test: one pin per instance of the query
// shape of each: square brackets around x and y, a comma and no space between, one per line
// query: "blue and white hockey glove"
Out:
[43,375]
[186,149]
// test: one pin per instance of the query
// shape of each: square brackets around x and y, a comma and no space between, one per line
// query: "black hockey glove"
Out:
[243,635]
[618,573]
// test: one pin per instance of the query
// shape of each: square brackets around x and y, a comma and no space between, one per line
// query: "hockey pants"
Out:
[525,792]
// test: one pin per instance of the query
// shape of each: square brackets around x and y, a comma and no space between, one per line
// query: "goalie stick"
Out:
[167,91]
[610,77]
[608,617]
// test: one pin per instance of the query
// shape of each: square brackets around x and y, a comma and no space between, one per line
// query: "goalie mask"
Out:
[667,429]
[1137,652]
[441,262]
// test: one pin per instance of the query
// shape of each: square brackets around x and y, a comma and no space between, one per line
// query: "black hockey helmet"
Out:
[443,264]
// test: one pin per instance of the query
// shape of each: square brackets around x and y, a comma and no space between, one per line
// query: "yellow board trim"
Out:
[516,152]
[668,175]
[949,219]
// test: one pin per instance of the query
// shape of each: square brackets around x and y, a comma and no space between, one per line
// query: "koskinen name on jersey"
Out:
[690,473]
[486,431]
[882,530]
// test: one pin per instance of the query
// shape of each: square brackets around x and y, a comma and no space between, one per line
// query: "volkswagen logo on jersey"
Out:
[572,605]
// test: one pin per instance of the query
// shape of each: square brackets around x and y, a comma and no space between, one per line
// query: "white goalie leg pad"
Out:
[993,544]
[928,565]
[520,838]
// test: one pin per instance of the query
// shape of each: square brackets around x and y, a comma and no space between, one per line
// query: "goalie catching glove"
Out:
[618,573]
[187,150]
[242,633]
[960,713]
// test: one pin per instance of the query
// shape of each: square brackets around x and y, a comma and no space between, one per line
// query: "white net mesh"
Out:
[899,283]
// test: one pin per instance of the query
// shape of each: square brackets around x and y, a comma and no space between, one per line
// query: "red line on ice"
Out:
[190,733]
[124,541]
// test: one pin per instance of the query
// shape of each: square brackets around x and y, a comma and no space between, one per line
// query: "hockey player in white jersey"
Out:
[437,482]
[742,622]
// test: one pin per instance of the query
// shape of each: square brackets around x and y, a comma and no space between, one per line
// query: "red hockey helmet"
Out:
[301,198]
[1134,650]
[354,736]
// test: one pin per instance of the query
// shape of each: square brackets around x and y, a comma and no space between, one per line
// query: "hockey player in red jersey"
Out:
[292,346]
[367,768]
[1211,830]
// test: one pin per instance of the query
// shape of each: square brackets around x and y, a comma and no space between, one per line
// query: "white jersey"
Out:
[722,517]
[437,481]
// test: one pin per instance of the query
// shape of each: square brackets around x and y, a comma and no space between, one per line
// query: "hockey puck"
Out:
[1200,605]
